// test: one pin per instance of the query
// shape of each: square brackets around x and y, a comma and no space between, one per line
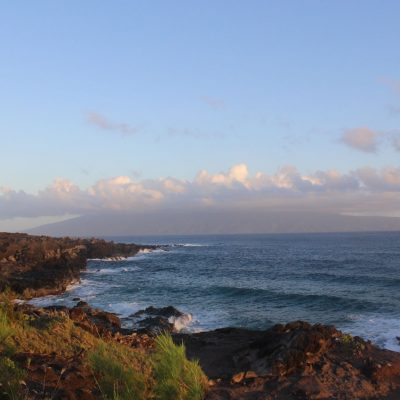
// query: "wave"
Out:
[108,271]
[123,308]
[129,258]
[181,323]
[382,331]
[313,301]
[108,259]
[353,279]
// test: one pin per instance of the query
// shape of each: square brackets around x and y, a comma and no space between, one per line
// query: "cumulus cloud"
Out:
[366,189]
[104,123]
[362,138]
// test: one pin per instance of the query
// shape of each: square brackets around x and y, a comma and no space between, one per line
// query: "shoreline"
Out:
[289,361]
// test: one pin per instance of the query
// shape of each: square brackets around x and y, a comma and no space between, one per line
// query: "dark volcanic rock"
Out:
[40,265]
[157,320]
[94,320]
[294,361]
[161,312]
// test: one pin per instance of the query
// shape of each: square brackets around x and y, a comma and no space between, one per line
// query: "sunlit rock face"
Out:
[40,265]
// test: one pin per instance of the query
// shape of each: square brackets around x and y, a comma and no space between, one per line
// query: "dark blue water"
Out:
[254,281]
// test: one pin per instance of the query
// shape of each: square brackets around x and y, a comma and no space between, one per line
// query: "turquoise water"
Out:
[349,280]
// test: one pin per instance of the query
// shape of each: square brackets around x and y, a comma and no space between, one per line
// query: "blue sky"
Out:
[95,90]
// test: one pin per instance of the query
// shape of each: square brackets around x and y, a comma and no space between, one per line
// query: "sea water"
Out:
[350,280]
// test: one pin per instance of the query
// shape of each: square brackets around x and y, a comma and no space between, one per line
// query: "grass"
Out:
[121,373]
[10,375]
[5,328]
[176,377]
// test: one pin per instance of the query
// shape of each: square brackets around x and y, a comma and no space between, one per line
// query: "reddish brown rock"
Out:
[41,265]
[294,361]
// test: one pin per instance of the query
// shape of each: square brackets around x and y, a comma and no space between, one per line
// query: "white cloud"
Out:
[236,175]
[364,189]
[362,138]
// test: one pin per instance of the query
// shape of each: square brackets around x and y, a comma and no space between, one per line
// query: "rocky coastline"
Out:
[33,266]
[293,361]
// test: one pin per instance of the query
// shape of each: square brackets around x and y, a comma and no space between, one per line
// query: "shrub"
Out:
[118,374]
[176,377]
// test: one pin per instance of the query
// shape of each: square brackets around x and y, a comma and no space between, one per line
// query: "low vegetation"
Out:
[176,377]
[120,372]
[114,371]
[11,376]
[125,374]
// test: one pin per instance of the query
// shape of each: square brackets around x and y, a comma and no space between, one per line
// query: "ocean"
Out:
[350,280]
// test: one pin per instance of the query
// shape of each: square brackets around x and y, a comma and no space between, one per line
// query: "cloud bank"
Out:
[363,191]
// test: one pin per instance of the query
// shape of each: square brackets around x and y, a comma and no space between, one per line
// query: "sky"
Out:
[115,106]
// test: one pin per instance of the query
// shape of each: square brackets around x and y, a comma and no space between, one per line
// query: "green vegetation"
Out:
[119,372]
[347,339]
[11,378]
[176,377]
[5,328]
[123,373]
[10,375]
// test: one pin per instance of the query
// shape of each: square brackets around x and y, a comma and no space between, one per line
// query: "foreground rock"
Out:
[288,362]
[65,374]
[155,320]
[294,361]
[40,265]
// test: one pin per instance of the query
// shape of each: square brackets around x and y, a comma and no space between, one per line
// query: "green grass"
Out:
[10,375]
[123,373]
[176,377]
[10,380]
[119,372]
[6,329]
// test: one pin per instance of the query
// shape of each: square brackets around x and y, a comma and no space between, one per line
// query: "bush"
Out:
[176,377]
[117,371]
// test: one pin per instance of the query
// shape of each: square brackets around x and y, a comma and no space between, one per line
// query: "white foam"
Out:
[143,254]
[108,259]
[45,301]
[145,251]
[193,245]
[382,331]
[72,286]
[123,308]
[181,323]
[108,271]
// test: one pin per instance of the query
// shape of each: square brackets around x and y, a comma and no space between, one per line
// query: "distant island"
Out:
[215,221]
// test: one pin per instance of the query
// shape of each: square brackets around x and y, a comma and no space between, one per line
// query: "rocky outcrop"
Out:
[294,361]
[41,265]
[56,375]
[155,320]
